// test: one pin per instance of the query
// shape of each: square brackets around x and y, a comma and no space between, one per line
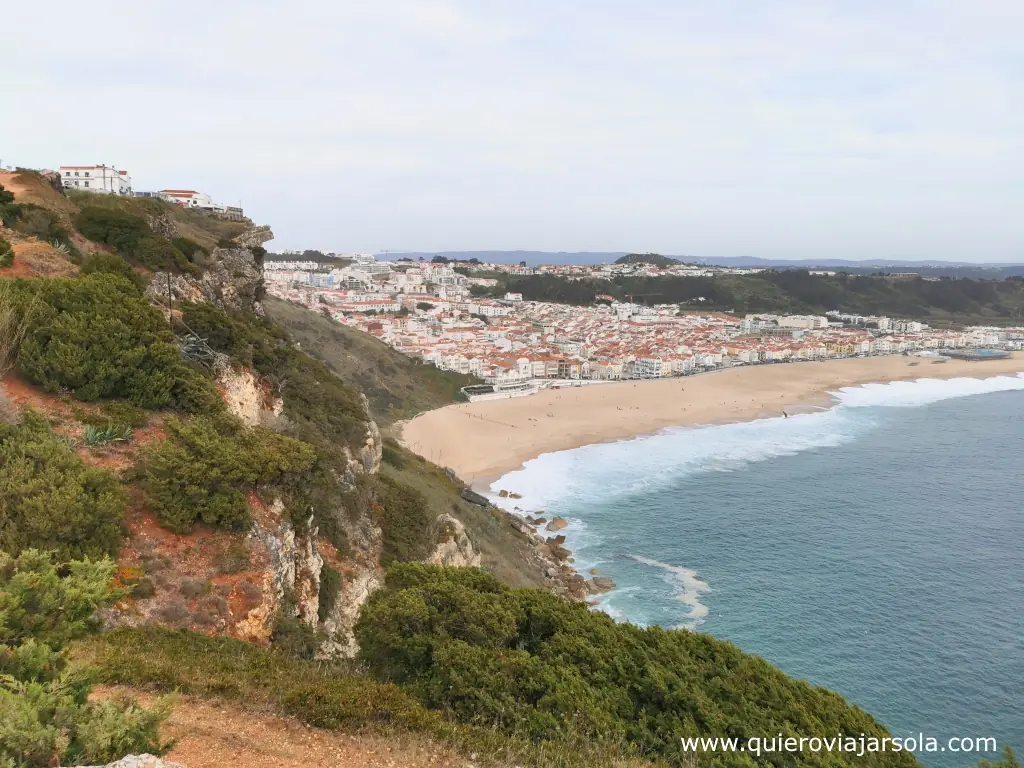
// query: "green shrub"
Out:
[393,457]
[206,466]
[35,221]
[526,662]
[124,413]
[98,337]
[132,237]
[45,715]
[330,586]
[6,253]
[111,263]
[8,208]
[50,499]
[405,521]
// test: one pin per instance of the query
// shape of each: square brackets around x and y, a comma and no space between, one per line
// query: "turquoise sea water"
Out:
[876,548]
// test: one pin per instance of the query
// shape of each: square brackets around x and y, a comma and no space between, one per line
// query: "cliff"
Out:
[315,539]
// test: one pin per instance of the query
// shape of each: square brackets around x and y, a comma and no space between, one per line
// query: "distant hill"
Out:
[655,259]
[532,258]
[986,270]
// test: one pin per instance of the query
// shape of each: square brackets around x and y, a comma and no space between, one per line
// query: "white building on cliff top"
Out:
[105,179]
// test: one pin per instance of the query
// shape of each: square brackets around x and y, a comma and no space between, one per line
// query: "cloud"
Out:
[778,129]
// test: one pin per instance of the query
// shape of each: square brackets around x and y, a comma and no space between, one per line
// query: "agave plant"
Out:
[96,436]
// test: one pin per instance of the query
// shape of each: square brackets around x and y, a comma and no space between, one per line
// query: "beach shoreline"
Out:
[483,441]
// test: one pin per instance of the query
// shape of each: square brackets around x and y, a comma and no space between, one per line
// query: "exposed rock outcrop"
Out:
[557,524]
[248,395]
[455,548]
[137,761]
[233,279]
[254,237]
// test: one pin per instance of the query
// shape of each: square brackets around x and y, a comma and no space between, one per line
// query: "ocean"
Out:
[875,548]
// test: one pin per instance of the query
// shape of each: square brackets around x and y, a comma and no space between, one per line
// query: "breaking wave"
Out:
[569,483]
[603,471]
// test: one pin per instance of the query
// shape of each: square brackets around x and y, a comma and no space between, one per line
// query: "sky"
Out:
[773,128]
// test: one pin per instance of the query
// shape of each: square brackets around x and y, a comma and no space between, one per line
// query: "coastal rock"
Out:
[556,541]
[503,493]
[137,761]
[474,498]
[557,524]
[599,585]
[560,552]
[455,549]
[515,496]
[577,587]
[593,571]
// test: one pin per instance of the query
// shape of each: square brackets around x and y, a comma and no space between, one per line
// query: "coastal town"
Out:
[434,312]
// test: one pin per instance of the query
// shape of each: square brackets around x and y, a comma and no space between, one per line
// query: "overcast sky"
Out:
[773,128]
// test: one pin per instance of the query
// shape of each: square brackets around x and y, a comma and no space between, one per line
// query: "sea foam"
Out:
[556,481]
[564,482]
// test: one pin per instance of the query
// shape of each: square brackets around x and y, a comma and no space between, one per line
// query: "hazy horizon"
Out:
[782,130]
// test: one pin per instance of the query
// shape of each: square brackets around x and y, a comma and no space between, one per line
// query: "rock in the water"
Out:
[600,584]
[557,524]
[515,496]
[503,493]
[556,540]
[593,571]
[560,552]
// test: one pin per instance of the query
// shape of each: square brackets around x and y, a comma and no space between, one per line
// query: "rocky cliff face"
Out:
[232,278]
[454,549]
[278,568]
[248,395]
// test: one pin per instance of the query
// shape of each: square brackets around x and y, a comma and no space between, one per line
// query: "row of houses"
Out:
[108,180]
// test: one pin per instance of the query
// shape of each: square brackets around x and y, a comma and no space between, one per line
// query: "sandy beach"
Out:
[484,440]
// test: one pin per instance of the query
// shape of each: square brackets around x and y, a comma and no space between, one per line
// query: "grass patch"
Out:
[331,695]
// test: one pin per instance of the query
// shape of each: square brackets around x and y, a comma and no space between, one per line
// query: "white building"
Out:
[803,321]
[105,179]
[189,198]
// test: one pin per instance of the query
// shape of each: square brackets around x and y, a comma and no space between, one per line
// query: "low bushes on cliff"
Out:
[6,254]
[132,237]
[321,409]
[46,717]
[405,521]
[526,662]
[98,337]
[207,465]
[50,499]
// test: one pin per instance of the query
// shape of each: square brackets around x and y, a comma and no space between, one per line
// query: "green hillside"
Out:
[939,301]
[397,386]
[654,259]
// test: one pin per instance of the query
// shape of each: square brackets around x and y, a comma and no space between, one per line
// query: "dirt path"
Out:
[216,735]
